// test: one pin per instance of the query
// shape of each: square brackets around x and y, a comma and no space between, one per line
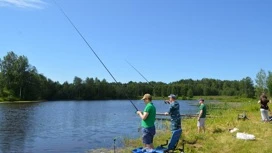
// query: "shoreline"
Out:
[26,101]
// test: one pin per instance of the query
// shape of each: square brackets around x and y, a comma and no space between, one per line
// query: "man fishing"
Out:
[174,113]
[148,122]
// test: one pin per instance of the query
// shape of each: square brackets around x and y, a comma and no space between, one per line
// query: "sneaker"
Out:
[150,150]
[144,149]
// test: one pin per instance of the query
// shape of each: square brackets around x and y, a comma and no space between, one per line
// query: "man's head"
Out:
[263,97]
[201,101]
[172,97]
[147,98]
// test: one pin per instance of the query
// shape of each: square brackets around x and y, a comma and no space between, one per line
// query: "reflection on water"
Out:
[15,128]
[70,126]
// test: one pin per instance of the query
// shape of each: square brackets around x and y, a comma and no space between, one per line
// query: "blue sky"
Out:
[165,40]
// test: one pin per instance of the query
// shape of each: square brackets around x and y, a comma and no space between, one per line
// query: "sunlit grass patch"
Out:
[217,137]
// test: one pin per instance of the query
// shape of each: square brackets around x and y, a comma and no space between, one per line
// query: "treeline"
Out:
[21,81]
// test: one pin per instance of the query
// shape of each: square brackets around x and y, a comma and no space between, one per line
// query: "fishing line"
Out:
[159,121]
[166,102]
[140,74]
[91,48]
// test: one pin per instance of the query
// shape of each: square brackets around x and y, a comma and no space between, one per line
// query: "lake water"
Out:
[72,126]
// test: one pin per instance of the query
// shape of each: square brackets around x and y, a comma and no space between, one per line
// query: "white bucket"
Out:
[245,136]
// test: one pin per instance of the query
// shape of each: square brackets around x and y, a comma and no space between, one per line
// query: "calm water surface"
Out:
[71,126]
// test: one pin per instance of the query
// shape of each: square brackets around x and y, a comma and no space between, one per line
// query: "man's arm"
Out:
[170,109]
[143,116]
[200,113]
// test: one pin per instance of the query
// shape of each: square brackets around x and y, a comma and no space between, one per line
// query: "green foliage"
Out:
[269,83]
[246,88]
[226,98]
[17,77]
[183,98]
[190,93]
[261,82]
[20,80]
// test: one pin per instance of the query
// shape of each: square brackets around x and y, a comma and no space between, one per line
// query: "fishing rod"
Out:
[166,102]
[70,21]
[140,74]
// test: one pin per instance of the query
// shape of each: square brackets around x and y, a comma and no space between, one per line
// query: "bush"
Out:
[11,98]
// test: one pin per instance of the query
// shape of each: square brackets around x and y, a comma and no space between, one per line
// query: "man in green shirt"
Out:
[148,122]
[202,116]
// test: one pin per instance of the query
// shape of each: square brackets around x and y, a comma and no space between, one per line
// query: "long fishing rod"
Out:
[91,48]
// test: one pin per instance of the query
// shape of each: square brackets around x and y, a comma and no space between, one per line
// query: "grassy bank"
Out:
[217,137]
[226,98]
[12,102]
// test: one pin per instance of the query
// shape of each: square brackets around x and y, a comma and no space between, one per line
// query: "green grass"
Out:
[217,137]
[225,98]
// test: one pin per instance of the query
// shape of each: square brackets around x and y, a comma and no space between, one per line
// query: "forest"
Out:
[19,81]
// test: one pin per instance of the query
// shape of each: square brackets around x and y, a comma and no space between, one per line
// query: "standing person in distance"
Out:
[148,122]
[264,107]
[174,113]
[201,116]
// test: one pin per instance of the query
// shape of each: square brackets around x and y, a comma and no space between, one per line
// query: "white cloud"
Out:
[37,4]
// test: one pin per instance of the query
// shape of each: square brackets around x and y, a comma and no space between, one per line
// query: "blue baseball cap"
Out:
[172,96]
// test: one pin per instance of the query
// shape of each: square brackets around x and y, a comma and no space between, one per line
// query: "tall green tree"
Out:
[16,74]
[163,90]
[261,85]
[89,93]
[190,93]
[269,83]
[7,66]
[31,86]
[78,87]
[1,84]
[247,87]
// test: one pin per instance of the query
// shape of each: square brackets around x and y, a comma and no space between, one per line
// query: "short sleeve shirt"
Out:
[203,108]
[150,120]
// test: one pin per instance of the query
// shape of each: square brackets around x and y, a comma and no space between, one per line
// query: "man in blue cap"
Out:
[174,113]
